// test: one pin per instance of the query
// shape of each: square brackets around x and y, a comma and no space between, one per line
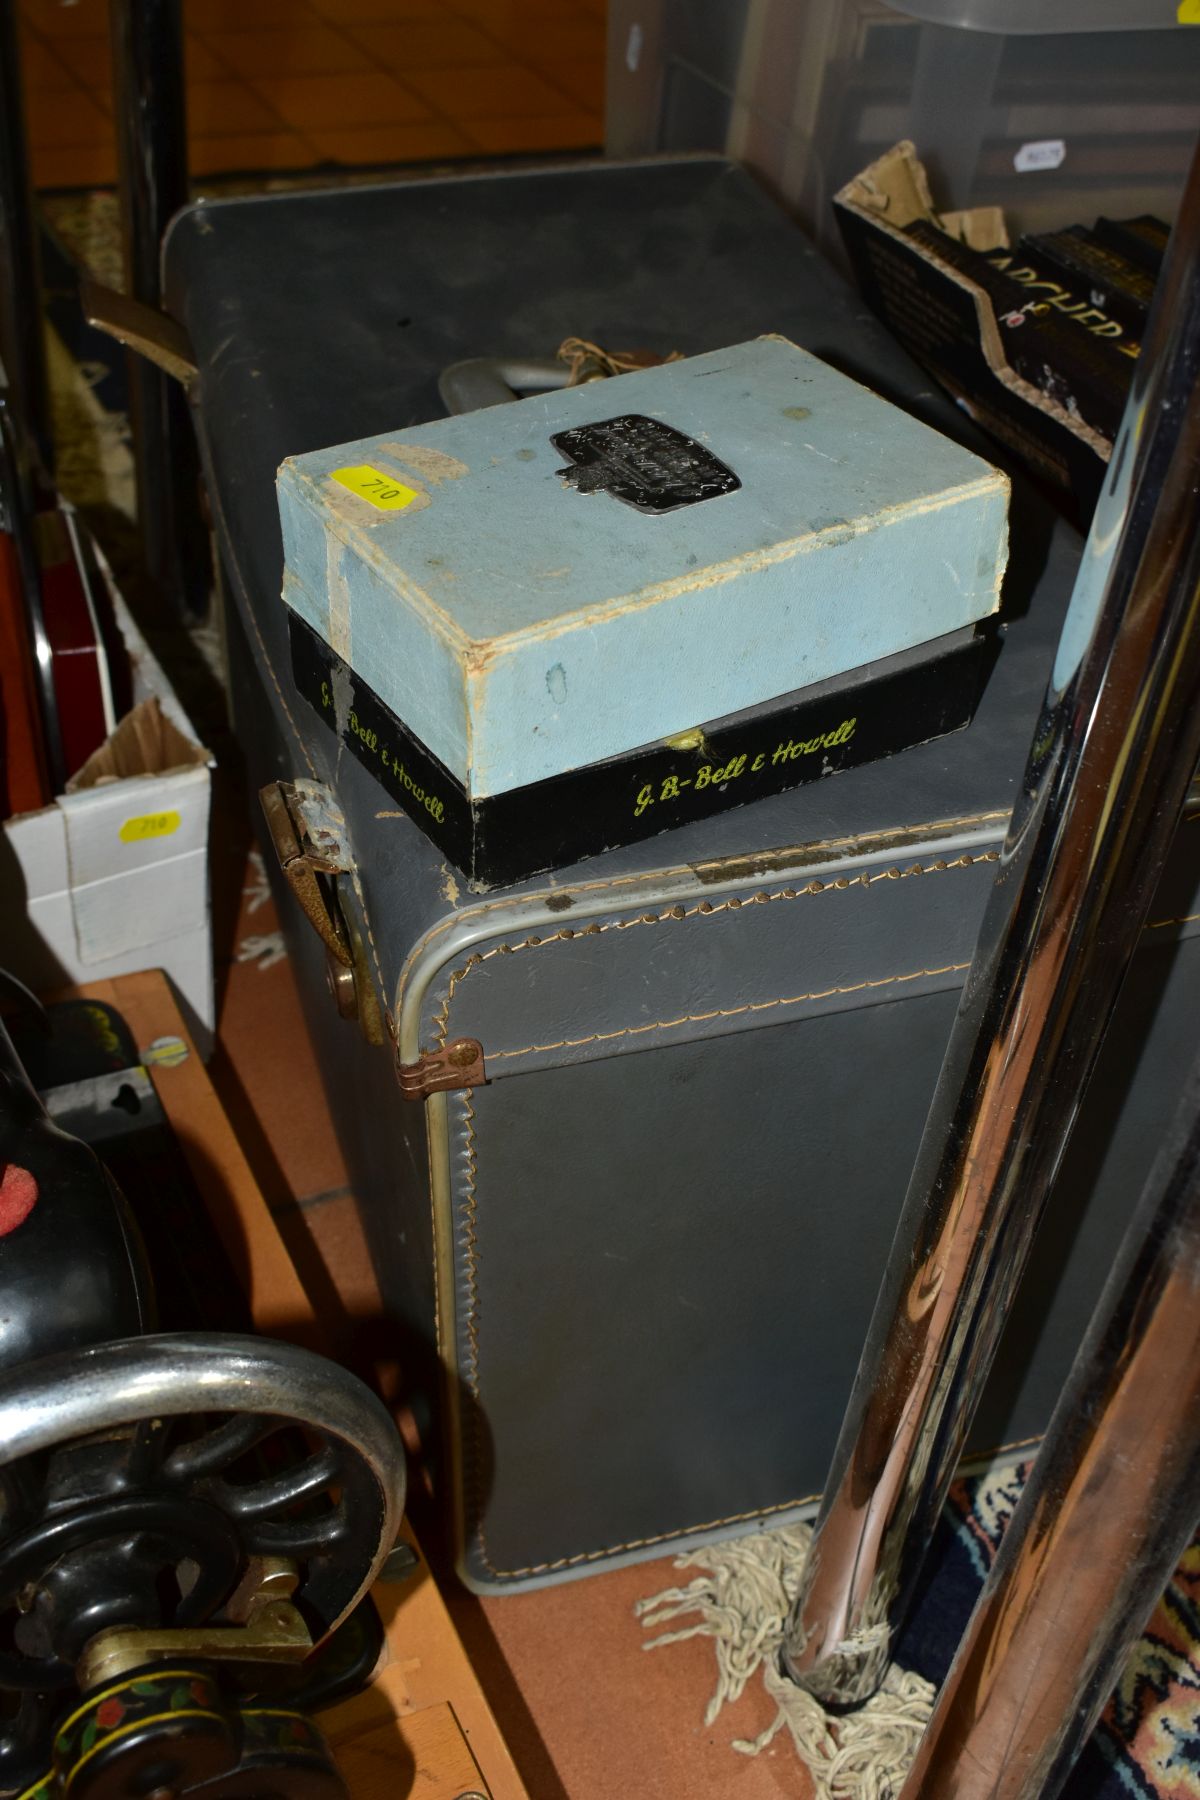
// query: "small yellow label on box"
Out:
[149,825]
[1188,12]
[383,491]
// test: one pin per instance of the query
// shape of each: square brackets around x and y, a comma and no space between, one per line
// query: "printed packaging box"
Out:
[536,588]
[819,731]
[907,258]
[113,877]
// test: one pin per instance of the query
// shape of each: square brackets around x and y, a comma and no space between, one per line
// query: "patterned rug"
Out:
[1147,1743]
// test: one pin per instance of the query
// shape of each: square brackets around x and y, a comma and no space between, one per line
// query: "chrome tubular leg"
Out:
[1107,1512]
[1114,750]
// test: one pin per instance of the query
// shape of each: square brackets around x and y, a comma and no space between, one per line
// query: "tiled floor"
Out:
[275,85]
[587,1714]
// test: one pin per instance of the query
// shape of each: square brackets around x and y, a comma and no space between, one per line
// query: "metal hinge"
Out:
[458,1065]
[309,834]
[305,829]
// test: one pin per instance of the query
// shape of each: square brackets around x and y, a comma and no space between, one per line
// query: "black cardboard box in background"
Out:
[948,321]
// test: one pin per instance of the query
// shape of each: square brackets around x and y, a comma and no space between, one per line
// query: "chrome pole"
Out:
[1114,749]
[1108,1510]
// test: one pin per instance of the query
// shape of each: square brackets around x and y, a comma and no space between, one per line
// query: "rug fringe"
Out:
[742,1600]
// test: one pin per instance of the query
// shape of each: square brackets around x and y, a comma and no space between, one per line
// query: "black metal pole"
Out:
[151,119]
[22,344]
[1114,750]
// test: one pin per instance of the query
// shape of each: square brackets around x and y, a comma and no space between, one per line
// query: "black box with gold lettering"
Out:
[881,708]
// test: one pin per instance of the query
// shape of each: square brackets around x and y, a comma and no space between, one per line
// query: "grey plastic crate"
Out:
[1056,112]
[1047,16]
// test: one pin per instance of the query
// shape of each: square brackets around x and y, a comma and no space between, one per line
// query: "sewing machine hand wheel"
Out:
[171,1498]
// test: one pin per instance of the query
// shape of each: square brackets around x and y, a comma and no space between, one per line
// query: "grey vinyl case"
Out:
[629,1273]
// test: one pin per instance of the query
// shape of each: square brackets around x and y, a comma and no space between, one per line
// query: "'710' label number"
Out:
[380,490]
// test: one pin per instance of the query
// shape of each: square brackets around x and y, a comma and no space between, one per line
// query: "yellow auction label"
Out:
[149,825]
[1188,12]
[383,491]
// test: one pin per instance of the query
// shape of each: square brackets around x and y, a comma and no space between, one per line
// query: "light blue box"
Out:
[522,626]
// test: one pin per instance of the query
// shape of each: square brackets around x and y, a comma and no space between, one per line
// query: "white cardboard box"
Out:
[114,876]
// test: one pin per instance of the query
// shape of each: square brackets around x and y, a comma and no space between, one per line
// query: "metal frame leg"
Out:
[22,345]
[149,103]
[1114,751]
[1104,1518]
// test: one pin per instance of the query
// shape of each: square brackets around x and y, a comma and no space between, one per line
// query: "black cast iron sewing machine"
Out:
[189,1519]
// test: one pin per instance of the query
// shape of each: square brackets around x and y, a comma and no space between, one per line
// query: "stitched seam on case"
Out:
[357,885]
[643,1543]
[473,1491]
[1183,919]
[733,1012]
[704,909]
[470,1243]
[437,1299]
[728,1012]
[928,827]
